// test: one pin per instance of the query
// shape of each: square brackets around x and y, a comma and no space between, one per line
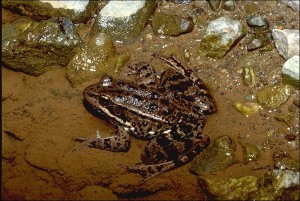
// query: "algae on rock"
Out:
[171,25]
[216,157]
[33,47]
[40,10]
[95,58]
[273,96]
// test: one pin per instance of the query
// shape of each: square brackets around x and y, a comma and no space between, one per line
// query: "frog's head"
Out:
[101,98]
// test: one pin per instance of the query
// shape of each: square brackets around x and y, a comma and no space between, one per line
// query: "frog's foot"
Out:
[117,143]
[150,171]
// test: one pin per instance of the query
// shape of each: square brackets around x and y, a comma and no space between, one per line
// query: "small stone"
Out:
[290,71]
[273,96]
[220,35]
[171,25]
[123,20]
[257,21]
[254,44]
[291,3]
[214,4]
[228,5]
[250,152]
[286,42]
[286,118]
[248,76]
[290,137]
[286,163]
[246,109]
[180,1]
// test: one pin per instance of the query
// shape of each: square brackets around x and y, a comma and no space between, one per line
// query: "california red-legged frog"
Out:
[170,112]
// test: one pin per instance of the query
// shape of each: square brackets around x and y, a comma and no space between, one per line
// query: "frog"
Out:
[169,111]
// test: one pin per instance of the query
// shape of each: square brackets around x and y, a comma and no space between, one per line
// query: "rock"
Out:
[33,47]
[290,71]
[96,58]
[228,5]
[220,35]
[180,1]
[124,20]
[283,161]
[291,3]
[273,96]
[246,109]
[260,40]
[130,184]
[286,42]
[76,11]
[285,179]
[228,188]
[275,185]
[250,152]
[248,76]
[257,21]
[287,118]
[216,157]
[171,25]
[287,163]
[96,193]
[214,4]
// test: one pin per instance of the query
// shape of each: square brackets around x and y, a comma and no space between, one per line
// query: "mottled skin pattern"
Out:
[169,112]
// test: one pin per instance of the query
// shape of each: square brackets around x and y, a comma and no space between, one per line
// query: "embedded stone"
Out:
[286,42]
[220,36]
[123,20]
[290,71]
[171,25]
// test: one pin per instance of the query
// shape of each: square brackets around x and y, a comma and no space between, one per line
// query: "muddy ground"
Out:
[41,117]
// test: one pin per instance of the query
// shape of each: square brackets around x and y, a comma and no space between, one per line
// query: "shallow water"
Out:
[41,117]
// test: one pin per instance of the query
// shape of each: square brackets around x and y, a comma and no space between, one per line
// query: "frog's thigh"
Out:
[163,148]
[187,149]
[119,142]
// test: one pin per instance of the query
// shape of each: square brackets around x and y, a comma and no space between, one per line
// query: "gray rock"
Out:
[77,11]
[181,1]
[286,42]
[34,47]
[124,20]
[285,179]
[220,35]
[290,69]
[257,21]
[214,4]
[294,4]
[171,25]
[228,5]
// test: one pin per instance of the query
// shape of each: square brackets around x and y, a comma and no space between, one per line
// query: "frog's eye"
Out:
[106,80]
[104,101]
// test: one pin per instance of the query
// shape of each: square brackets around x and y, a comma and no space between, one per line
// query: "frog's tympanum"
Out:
[169,112]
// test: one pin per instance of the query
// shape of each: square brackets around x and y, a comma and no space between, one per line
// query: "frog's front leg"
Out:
[171,156]
[118,143]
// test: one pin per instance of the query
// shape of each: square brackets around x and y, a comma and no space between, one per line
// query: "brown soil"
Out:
[41,117]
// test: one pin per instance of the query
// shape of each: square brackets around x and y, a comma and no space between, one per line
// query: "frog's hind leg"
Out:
[152,170]
[118,143]
[146,73]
